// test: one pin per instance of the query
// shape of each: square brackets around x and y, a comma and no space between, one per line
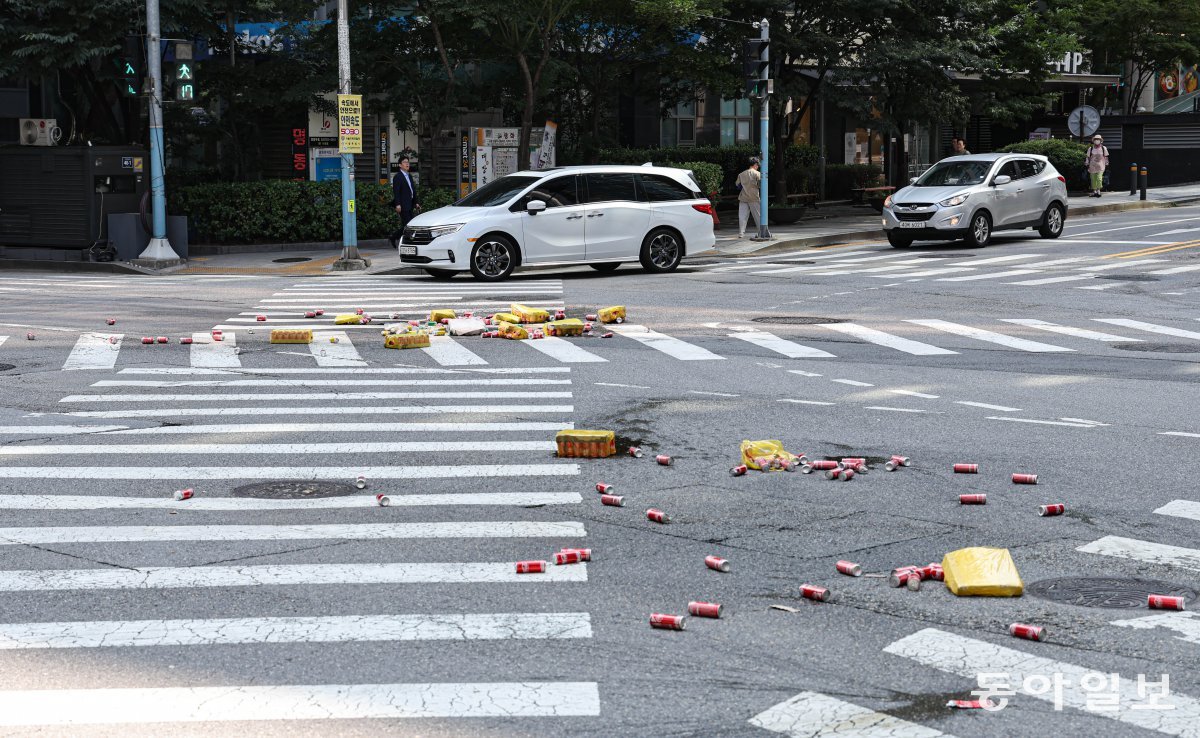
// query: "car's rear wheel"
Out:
[980,232]
[493,258]
[662,250]
[1053,221]
[611,267]
[899,242]
[440,274]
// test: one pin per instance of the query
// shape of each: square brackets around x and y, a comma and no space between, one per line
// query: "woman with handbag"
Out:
[1096,162]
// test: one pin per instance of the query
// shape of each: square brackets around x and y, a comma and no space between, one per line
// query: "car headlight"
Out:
[445,230]
[956,200]
[887,203]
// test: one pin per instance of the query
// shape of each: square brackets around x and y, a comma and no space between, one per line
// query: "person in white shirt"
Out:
[748,203]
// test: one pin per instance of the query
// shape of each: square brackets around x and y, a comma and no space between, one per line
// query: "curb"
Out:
[267,248]
[95,267]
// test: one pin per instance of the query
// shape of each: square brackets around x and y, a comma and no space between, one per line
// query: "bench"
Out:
[874,196]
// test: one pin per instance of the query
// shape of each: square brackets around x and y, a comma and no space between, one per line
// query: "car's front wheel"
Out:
[493,258]
[1053,221]
[980,232]
[899,242]
[662,250]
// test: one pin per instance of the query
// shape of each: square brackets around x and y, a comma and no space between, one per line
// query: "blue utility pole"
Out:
[159,250]
[764,124]
[350,257]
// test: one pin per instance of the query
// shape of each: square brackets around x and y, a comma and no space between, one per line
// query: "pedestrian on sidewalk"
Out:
[748,203]
[1096,162]
[404,198]
[958,146]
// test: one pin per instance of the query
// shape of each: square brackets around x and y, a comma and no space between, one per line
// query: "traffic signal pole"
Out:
[159,251]
[764,126]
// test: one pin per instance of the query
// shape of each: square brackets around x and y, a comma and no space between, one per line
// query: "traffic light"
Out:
[755,67]
[129,67]
[183,73]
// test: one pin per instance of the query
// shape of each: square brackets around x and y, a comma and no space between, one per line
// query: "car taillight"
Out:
[1062,179]
[706,208]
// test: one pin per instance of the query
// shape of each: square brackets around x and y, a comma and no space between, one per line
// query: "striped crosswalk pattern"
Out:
[980,334]
[94,351]
[812,714]
[782,346]
[1151,327]
[669,345]
[333,348]
[208,352]
[1148,552]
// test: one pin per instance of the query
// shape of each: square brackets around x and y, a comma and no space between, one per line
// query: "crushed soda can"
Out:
[969,704]
[635,451]
[705,609]
[966,468]
[585,554]
[383,500]
[110,321]
[813,592]
[664,460]
[531,567]
[668,622]
[657,516]
[567,557]
[1048,511]
[186,340]
[716,563]
[319,311]
[900,577]
[145,340]
[738,471]
[590,317]
[1028,632]
[1165,602]
[900,460]
[612,500]
[310,313]
[359,311]
[973,499]
[1024,479]
[261,318]
[183,494]
[360,482]
[849,568]
[933,572]
[824,464]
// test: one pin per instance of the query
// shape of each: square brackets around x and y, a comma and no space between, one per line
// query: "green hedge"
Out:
[1066,156]
[282,211]
[708,175]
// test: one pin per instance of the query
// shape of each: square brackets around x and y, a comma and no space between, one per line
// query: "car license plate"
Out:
[903,224]
[408,250]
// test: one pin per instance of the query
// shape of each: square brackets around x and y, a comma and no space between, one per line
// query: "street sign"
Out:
[350,124]
[1083,121]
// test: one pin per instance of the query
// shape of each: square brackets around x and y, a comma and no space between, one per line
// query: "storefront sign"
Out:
[300,153]
[350,124]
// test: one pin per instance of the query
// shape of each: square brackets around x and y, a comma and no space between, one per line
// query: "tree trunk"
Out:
[526,114]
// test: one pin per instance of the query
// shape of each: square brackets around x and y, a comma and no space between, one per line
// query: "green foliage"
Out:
[709,175]
[279,211]
[1066,156]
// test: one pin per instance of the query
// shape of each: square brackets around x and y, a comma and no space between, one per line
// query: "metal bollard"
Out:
[1145,175]
[1133,172]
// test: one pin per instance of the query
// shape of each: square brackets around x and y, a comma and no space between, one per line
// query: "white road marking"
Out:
[3,339]
[985,406]
[908,346]
[1146,551]
[193,371]
[911,393]
[995,260]
[97,502]
[57,430]
[1186,624]
[1123,264]
[328,353]
[206,352]
[1055,280]
[781,346]
[989,275]
[1180,433]
[311,396]
[93,351]
[815,715]
[1150,327]
[264,428]
[1174,232]
[968,657]
[711,394]
[1177,270]
[852,382]
[299,702]
[323,382]
[894,409]
[1096,423]
[448,352]
[332,629]
[669,345]
[926,273]
[623,386]
[1068,330]
[1180,509]
[1139,225]
[981,335]
[872,270]
[805,402]
[563,350]
[803,373]
[283,449]
[208,473]
[1044,422]
[1058,262]
[1102,287]
[324,411]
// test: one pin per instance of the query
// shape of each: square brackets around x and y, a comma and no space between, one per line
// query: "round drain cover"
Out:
[291,259]
[295,489]
[1129,277]
[1161,348]
[1108,592]
[797,320]
[6,367]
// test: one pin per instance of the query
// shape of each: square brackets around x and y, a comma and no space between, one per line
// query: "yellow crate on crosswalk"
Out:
[348,319]
[614,314]
[292,335]
[587,444]
[437,316]
[567,327]
[515,332]
[526,314]
[406,341]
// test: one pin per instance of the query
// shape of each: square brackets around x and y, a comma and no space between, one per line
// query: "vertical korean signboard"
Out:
[350,124]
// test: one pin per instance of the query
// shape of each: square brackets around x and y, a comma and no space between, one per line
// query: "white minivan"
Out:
[595,215]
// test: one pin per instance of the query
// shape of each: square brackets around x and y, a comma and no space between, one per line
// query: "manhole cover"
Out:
[295,489]
[1109,592]
[1130,277]
[291,259]
[797,320]
[6,367]
[945,256]
[1160,348]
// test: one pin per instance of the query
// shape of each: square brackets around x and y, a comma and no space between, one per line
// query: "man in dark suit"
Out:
[404,197]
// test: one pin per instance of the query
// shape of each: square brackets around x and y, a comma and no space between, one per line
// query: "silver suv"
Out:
[972,196]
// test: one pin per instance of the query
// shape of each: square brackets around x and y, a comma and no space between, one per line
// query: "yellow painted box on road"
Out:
[292,335]
[406,341]
[587,444]
[986,572]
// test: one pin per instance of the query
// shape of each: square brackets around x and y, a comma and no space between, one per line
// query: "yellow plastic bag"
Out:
[505,317]
[588,444]
[568,327]
[614,314]
[292,335]
[982,572]
[516,332]
[526,314]
[768,450]
[437,316]
[406,341]
[348,319]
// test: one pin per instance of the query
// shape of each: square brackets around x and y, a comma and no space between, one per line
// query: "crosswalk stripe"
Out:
[448,352]
[298,702]
[3,339]
[1101,287]
[1186,624]
[669,345]
[990,337]
[333,531]
[811,715]
[779,345]
[57,430]
[986,406]
[869,270]
[98,502]
[330,629]
[1149,327]
[925,273]
[908,346]
[1147,551]
[1067,330]
[995,260]
[1181,509]
[328,352]
[989,275]
[1054,280]
[199,371]
[94,351]
[310,396]
[206,352]
[913,393]
[968,657]
[166,577]
[563,350]
[282,449]
[180,383]
[1057,262]
[210,473]
[1177,270]
[325,427]
[1123,264]
[352,410]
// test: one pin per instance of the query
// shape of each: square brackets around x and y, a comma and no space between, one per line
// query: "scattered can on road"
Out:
[668,622]
[813,592]
[1028,632]
[383,500]
[657,516]
[1048,511]
[567,557]
[585,554]
[966,468]
[110,321]
[183,494]
[716,563]
[531,567]
[974,499]
[603,488]
[1164,602]
[849,568]
[635,452]
[1024,479]
[664,460]
[738,471]
[705,609]
[360,482]
[612,500]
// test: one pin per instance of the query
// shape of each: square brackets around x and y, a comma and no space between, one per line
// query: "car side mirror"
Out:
[1002,179]
[912,180]
[533,207]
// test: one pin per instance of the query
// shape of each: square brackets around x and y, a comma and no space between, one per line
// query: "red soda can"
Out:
[360,482]
[358,311]
[914,580]
[186,340]
[590,317]
[972,499]
[603,488]
[668,622]
[738,470]
[588,327]
[901,460]
[531,567]
[1164,602]
[607,334]
[849,568]
[891,465]
[813,592]
[147,340]
[310,314]
[824,464]
[261,318]
[110,321]
[835,473]
[183,494]
[854,461]
[934,572]
[612,500]
[319,311]
[567,557]
[657,516]
[663,460]
[113,340]
[705,609]
[1024,479]
[163,339]
[763,463]
[29,336]
[383,500]
[218,335]
[847,475]
[635,452]
[966,468]
[558,315]
[969,704]
[585,554]
[1028,632]
[716,563]
[900,577]
[1047,511]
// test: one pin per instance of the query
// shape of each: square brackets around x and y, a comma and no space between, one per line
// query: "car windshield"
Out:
[953,173]
[496,192]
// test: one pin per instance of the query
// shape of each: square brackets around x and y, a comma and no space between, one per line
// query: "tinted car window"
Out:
[556,193]
[610,187]
[1010,168]
[1030,167]
[664,189]
[496,192]
[950,173]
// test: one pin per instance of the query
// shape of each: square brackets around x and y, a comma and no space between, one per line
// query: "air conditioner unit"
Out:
[39,131]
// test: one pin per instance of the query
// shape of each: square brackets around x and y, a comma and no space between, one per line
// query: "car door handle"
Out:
[574,217]
[595,215]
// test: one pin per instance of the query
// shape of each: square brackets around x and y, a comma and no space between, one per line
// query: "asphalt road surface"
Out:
[128,613]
